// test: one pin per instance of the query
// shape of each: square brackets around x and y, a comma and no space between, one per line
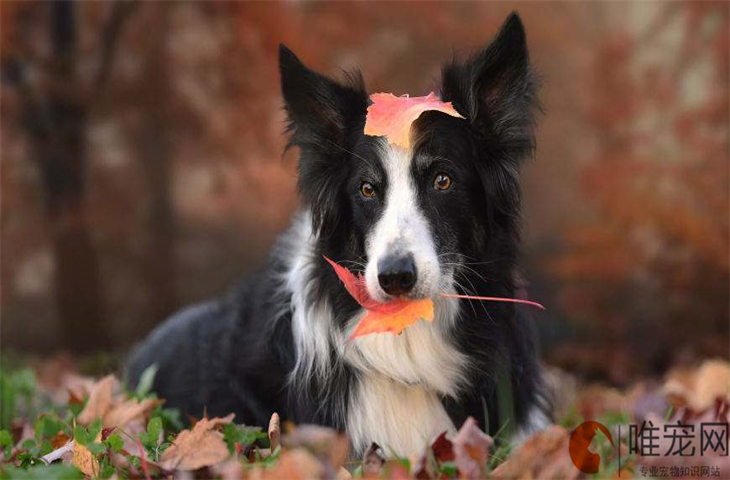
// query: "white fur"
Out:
[400,418]
[311,322]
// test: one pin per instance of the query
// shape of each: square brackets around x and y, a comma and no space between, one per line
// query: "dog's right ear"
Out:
[320,110]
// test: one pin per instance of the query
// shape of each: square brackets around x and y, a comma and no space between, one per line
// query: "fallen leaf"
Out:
[60,379]
[325,443]
[125,411]
[231,469]
[595,400]
[544,455]
[202,446]
[392,116]
[343,474]
[84,460]
[59,440]
[441,450]
[699,389]
[471,450]
[296,464]
[274,431]
[100,399]
[393,316]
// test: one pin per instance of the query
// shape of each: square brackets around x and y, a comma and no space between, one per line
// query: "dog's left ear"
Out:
[496,90]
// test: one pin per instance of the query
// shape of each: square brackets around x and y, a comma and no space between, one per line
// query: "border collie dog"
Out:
[439,217]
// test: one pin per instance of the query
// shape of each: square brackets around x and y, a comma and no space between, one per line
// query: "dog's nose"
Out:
[397,274]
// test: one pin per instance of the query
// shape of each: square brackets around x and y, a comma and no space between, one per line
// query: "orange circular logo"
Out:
[580,439]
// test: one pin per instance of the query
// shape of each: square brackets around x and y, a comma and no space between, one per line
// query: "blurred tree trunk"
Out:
[61,153]
[55,109]
[154,153]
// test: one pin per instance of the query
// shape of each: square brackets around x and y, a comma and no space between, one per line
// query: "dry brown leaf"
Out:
[544,455]
[125,411]
[202,446]
[698,389]
[60,379]
[99,401]
[323,442]
[443,448]
[274,431]
[84,460]
[595,400]
[440,450]
[231,469]
[296,464]
[471,450]
[343,474]
[115,410]
[59,440]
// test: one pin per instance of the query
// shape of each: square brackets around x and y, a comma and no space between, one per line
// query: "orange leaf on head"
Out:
[392,116]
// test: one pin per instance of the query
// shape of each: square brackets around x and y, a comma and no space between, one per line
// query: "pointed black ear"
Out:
[496,89]
[320,110]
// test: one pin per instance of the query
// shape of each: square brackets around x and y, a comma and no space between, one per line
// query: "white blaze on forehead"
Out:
[403,229]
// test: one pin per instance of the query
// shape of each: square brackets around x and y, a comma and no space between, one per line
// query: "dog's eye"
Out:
[442,182]
[367,190]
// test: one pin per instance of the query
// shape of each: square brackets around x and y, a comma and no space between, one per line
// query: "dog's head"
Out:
[411,219]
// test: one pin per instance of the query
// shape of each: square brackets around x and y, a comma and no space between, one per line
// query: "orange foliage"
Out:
[655,249]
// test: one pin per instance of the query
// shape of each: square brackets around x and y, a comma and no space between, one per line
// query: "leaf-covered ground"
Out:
[57,423]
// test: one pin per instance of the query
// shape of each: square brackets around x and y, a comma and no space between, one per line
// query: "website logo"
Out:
[580,439]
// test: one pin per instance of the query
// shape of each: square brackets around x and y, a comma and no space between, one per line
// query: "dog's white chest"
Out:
[399,417]
[401,378]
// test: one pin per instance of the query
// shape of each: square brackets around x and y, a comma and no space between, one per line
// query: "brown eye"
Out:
[367,190]
[442,182]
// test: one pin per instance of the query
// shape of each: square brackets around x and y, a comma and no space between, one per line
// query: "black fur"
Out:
[235,354]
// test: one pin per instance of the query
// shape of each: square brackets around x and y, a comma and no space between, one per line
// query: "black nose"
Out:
[397,274]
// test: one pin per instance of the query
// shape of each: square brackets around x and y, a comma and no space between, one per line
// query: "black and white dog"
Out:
[441,216]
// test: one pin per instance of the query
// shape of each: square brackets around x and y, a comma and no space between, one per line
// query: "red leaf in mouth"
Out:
[393,316]
[398,314]
[495,299]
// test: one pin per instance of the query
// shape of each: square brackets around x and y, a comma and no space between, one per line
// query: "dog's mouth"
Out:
[399,313]
[357,286]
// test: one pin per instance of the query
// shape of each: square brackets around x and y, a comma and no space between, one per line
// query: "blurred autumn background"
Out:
[142,166]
